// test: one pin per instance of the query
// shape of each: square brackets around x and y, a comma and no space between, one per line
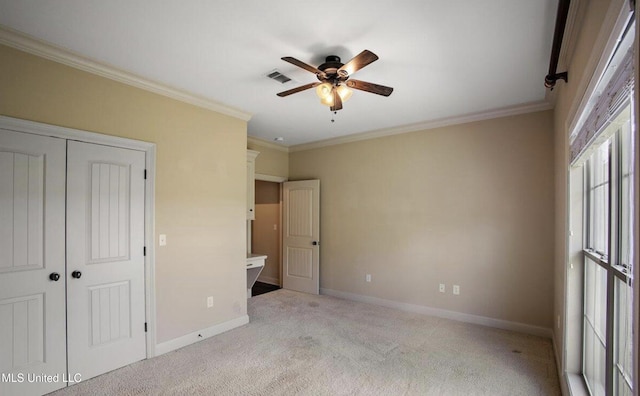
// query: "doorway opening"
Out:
[266,235]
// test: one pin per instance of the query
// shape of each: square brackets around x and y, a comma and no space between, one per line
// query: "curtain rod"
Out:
[561,22]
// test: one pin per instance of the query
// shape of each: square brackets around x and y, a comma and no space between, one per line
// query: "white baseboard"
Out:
[269,280]
[200,335]
[443,313]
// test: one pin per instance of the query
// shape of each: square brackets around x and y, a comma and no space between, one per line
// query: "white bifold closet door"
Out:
[32,263]
[99,324]
[105,259]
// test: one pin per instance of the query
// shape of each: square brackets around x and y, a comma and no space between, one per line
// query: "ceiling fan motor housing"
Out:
[330,67]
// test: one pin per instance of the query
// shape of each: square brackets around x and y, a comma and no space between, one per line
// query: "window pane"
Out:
[623,350]
[599,199]
[626,197]
[621,387]
[594,362]
[595,326]
[589,287]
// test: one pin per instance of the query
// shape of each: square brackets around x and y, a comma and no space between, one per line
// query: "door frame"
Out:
[37,128]
[279,180]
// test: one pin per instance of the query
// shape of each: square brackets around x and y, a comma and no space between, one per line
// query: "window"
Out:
[598,348]
[608,254]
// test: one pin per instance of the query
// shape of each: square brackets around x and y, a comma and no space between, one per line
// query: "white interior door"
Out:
[105,261]
[32,298]
[300,236]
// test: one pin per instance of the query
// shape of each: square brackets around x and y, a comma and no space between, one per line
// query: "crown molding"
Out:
[23,42]
[444,122]
[267,144]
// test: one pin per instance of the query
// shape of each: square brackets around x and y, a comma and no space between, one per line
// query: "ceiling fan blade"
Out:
[302,65]
[369,87]
[297,89]
[337,101]
[358,62]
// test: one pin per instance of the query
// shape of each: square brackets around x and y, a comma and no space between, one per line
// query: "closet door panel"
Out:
[32,263]
[105,261]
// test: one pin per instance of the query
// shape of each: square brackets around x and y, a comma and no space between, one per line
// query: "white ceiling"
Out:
[445,59]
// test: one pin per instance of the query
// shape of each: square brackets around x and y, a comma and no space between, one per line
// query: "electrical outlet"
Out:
[442,288]
[368,278]
[210,302]
[456,290]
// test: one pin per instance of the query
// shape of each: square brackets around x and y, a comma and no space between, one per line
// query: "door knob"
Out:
[76,274]
[315,243]
[54,276]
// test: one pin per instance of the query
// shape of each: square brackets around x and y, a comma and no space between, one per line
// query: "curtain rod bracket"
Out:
[550,79]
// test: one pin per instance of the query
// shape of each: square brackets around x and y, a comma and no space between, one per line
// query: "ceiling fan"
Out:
[333,88]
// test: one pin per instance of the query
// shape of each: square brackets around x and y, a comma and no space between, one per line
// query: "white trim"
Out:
[571,33]
[564,387]
[487,115]
[267,144]
[150,259]
[200,335]
[566,262]
[270,178]
[37,128]
[23,42]
[612,27]
[443,313]
[576,385]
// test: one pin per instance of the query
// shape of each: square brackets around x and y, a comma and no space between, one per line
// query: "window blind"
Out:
[615,96]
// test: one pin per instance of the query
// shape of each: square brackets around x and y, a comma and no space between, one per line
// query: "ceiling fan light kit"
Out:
[333,88]
[325,92]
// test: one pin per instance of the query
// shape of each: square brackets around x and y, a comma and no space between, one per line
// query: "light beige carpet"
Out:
[299,344]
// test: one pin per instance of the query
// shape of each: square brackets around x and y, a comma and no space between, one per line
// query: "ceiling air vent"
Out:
[279,77]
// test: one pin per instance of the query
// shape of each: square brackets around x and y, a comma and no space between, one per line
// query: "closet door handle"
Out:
[76,274]
[54,276]
[315,243]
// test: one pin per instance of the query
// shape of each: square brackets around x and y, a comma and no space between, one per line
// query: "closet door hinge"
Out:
[144,251]
[145,174]
[145,327]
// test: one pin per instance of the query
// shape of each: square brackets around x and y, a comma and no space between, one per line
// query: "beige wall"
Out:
[468,204]
[271,161]
[266,228]
[200,179]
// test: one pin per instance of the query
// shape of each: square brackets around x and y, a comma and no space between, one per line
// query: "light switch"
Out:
[163,239]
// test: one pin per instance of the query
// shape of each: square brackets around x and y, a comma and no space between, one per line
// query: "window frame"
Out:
[611,262]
